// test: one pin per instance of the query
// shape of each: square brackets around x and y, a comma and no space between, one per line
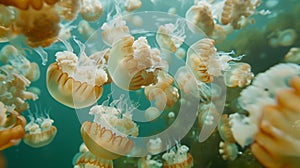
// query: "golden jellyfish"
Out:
[75,83]
[7,17]
[26,4]
[178,157]
[293,56]
[39,131]
[134,64]
[114,30]
[14,88]
[40,27]
[154,146]
[205,62]
[91,10]
[239,75]
[200,15]
[12,131]
[68,9]
[262,92]
[149,162]
[228,151]
[277,141]
[152,113]
[170,37]
[163,93]
[107,136]
[131,5]
[86,159]
[13,56]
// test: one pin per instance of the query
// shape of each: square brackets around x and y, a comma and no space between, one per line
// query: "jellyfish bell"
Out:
[293,56]
[7,18]
[68,9]
[133,64]
[108,136]
[149,162]
[91,10]
[239,75]
[75,83]
[131,5]
[287,37]
[39,132]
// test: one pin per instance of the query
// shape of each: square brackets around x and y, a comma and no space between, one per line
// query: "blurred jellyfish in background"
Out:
[293,56]
[131,5]
[85,29]
[239,75]
[68,9]
[7,18]
[75,82]
[108,135]
[86,159]
[39,131]
[149,162]
[91,10]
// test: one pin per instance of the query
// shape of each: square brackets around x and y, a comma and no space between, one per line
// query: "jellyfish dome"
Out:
[108,136]
[178,157]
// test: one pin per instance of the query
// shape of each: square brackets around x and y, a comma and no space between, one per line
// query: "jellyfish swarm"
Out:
[11,55]
[7,18]
[256,96]
[277,141]
[40,27]
[13,90]
[75,83]
[26,4]
[107,136]
[11,128]
[162,93]
[114,30]
[239,75]
[205,62]
[133,64]
[39,131]
[293,56]
[86,159]
[178,157]
[170,37]
[91,10]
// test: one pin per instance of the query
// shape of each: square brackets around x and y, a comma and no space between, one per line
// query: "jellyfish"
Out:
[68,9]
[114,30]
[239,75]
[287,37]
[91,10]
[131,5]
[12,131]
[205,62]
[178,156]
[277,141]
[107,136]
[13,90]
[200,15]
[75,83]
[85,29]
[154,146]
[170,37]
[86,159]
[224,129]
[7,17]
[134,64]
[13,56]
[293,56]
[40,27]
[152,113]
[25,5]
[254,97]
[149,162]
[229,151]
[39,132]
[163,93]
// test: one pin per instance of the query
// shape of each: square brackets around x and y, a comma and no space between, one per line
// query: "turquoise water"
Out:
[250,40]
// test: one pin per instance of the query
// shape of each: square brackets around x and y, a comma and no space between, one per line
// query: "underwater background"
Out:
[252,41]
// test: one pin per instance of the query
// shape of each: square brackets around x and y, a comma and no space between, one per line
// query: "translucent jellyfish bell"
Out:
[68,9]
[133,64]
[239,75]
[178,157]
[131,5]
[293,56]
[75,83]
[108,136]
